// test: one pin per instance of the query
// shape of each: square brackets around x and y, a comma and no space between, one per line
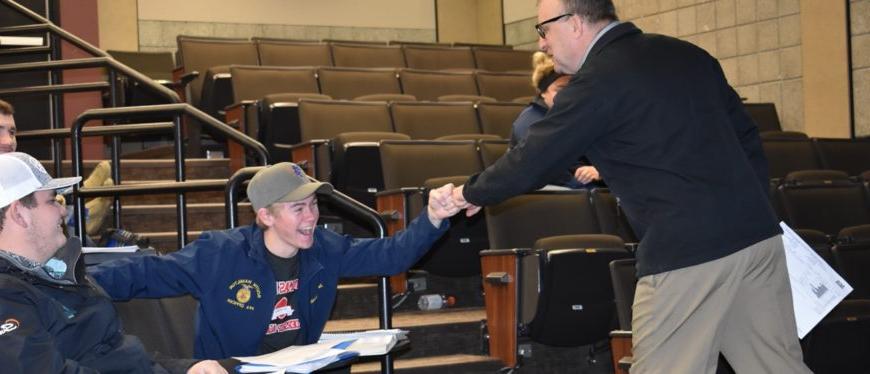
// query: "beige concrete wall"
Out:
[518,10]
[410,14]
[470,21]
[826,70]
[860,16]
[119,29]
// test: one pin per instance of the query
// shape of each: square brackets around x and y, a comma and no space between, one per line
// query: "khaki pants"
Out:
[739,305]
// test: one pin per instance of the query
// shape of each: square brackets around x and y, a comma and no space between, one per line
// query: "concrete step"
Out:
[163,217]
[133,169]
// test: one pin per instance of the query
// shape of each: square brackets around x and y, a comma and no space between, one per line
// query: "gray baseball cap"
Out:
[21,175]
[282,182]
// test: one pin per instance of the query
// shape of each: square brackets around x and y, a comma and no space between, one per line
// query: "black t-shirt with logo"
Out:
[285,328]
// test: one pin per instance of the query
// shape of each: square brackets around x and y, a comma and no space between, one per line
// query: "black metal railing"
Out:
[345,204]
[132,113]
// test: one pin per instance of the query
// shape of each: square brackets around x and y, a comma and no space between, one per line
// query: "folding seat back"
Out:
[155,65]
[276,52]
[784,156]
[504,86]
[570,314]
[852,261]
[201,54]
[367,56]
[498,118]
[411,163]
[624,277]
[348,83]
[611,218]
[849,155]
[492,150]
[356,163]
[164,325]
[255,82]
[503,59]
[826,201]
[324,119]
[840,342]
[430,120]
[438,57]
[429,84]
[278,119]
[386,97]
[521,220]
[764,115]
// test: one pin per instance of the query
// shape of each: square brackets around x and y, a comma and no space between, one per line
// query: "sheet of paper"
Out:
[125,249]
[297,359]
[368,343]
[815,287]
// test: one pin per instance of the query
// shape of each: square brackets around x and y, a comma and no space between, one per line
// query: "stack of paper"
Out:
[297,359]
[367,343]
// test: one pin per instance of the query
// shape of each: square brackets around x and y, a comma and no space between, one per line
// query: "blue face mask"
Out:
[55,268]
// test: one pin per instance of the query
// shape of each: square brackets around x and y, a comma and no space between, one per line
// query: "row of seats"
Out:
[785,155]
[243,83]
[827,201]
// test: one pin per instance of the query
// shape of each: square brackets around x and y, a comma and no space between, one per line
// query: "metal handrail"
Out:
[175,110]
[341,201]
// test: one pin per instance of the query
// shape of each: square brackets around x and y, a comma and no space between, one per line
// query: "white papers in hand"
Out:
[815,288]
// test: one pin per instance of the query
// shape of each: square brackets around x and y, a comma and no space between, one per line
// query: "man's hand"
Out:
[586,174]
[441,204]
[207,367]
[459,201]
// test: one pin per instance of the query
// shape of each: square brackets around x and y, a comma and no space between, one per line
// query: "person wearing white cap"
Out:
[52,318]
[267,286]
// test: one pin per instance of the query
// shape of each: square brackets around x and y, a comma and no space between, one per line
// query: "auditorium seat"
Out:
[409,171]
[764,115]
[430,84]
[492,150]
[503,59]
[475,137]
[827,201]
[202,54]
[165,326]
[504,86]
[840,342]
[438,58]
[430,120]
[279,52]
[356,164]
[849,155]
[853,262]
[155,65]
[521,220]
[322,120]
[623,275]
[787,155]
[278,118]
[254,82]
[350,83]
[610,216]
[498,118]
[367,55]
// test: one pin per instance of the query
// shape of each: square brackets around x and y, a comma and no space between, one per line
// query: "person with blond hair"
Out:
[547,81]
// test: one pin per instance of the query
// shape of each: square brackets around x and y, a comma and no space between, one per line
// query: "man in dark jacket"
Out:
[52,318]
[658,119]
[272,285]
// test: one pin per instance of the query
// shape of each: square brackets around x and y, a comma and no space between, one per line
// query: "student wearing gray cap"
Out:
[52,318]
[267,286]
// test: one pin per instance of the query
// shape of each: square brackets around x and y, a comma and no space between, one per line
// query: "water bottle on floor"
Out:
[435,301]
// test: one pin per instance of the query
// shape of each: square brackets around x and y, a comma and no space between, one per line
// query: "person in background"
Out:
[97,208]
[270,285]
[671,137]
[52,318]
[548,83]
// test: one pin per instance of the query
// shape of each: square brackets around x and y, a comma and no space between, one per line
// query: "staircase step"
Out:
[141,169]
[458,363]
[163,217]
[199,197]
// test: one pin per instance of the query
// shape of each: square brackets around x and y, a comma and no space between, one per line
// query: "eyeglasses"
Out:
[543,31]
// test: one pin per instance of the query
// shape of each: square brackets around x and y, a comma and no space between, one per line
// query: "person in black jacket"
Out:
[658,119]
[52,318]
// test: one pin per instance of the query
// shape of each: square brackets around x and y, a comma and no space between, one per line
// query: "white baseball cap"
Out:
[21,175]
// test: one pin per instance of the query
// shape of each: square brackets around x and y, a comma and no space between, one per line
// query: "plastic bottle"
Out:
[435,301]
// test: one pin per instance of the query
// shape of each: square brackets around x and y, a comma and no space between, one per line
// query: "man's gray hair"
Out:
[591,10]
